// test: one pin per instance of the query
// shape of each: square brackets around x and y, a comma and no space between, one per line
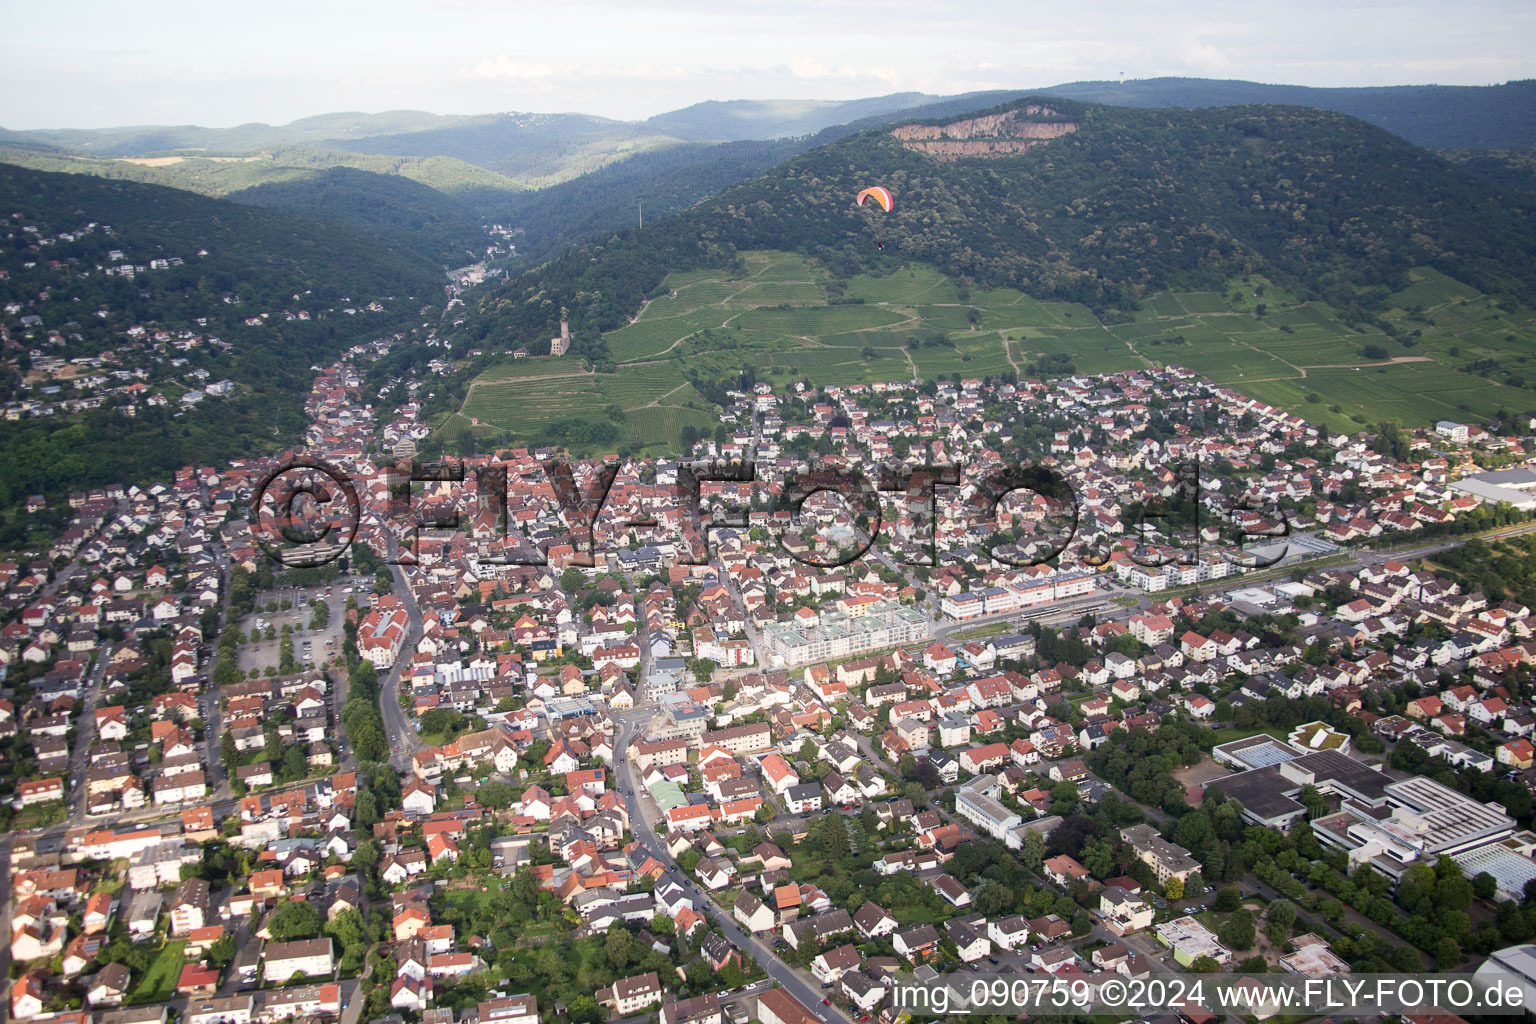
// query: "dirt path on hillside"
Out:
[1380,362]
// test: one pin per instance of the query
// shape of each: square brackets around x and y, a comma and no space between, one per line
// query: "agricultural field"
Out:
[1462,355]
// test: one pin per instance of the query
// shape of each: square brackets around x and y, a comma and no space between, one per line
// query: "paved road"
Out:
[751,991]
[403,739]
[217,777]
[799,985]
[85,733]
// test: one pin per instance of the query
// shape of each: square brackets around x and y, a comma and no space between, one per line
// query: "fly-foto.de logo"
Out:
[821,516]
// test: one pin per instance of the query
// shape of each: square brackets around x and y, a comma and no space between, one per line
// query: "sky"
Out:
[101,63]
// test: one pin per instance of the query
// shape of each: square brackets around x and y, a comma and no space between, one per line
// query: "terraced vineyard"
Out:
[1462,354]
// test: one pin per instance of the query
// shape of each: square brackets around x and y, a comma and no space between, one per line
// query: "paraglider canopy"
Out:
[879,194]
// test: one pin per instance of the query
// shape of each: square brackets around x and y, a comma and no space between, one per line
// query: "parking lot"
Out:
[1203,771]
[322,643]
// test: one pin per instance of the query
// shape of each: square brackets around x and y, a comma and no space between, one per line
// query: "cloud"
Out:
[808,68]
[1202,56]
[632,58]
[802,69]
[502,66]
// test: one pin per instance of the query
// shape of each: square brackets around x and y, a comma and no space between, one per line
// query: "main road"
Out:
[794,982]
[403,739]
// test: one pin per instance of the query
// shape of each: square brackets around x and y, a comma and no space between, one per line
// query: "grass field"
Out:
[159,981]
[1463,355]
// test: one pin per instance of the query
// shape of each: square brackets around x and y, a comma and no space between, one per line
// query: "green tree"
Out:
[1453,892]
[619,947]
[1032,856]
[1405,958]
[222,952]
[1238,932]
[584,1010]
[367,855]
[368,742]
[994,899]
[294,764]
[1098,858]
[226,672]
[293,919]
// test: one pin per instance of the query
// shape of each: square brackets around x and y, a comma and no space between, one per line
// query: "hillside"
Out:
[1120,203]
[736,120]
[540,149]
[1442,351]
[419,218]
[1434,116]
[124,301]
[585,177]
[665,181]
[1512,170]
[1280,249]
[532,149]
[151,139]
[276,253]
[222,175]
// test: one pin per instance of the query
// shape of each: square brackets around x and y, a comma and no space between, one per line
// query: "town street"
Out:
[799,985]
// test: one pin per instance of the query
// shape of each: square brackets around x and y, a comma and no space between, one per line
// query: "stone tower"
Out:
[561,345]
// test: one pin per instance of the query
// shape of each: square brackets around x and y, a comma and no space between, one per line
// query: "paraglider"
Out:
[882,197]
[879,194]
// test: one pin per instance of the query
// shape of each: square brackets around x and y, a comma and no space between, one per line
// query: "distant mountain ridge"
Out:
[146,140]
[1433,116]
[739,120]
[565,178]
[220,176]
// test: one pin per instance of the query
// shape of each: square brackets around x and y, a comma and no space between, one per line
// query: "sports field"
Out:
[1457,354]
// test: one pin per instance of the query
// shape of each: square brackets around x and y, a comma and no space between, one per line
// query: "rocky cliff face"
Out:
[995,135]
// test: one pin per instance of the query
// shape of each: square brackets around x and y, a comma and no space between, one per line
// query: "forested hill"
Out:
[267,254]
[1104,206]
[667,180]
[419,218]
[121,302]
